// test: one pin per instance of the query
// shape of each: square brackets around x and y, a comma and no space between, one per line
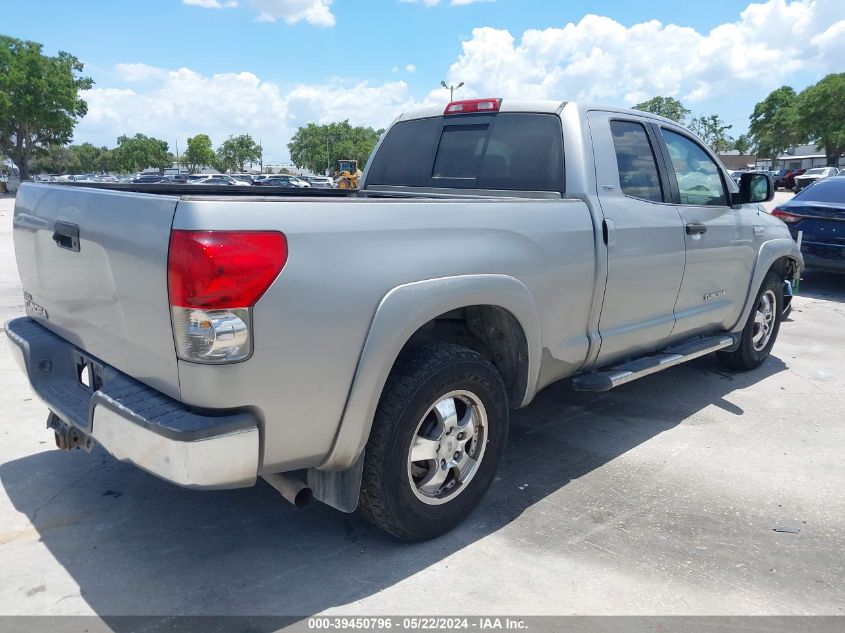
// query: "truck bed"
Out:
[179,189]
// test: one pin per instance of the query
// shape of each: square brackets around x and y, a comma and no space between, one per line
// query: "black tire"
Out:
[746,357]
[421,376]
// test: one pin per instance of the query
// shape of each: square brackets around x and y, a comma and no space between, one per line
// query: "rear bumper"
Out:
[821,256]
[133,421]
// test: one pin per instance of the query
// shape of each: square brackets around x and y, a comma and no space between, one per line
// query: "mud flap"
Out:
[338,489]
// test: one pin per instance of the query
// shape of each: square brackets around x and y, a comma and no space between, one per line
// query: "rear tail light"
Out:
[473,105]
[214,278]
[789,218]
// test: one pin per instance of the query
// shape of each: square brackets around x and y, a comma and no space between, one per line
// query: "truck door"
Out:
[720,251]
[644,235]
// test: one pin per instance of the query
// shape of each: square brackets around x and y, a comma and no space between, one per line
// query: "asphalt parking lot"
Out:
[694,491]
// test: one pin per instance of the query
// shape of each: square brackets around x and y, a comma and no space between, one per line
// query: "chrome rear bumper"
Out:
[134,422]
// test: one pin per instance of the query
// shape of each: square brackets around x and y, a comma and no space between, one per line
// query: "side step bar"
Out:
[639,367]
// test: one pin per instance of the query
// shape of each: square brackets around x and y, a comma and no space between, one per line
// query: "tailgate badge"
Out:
[33,309]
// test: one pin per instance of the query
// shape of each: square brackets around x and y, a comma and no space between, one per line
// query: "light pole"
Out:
[328,156]
[451,89]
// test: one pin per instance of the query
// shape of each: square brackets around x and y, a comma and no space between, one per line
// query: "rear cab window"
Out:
[506,151]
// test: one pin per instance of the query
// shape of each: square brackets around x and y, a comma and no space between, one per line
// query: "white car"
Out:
[323,182]
[217,179]
[812,175]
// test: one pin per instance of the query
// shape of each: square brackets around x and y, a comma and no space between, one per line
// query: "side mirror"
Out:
[755,187]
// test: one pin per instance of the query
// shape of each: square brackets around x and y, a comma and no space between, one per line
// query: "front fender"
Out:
[770,251]
[400,314]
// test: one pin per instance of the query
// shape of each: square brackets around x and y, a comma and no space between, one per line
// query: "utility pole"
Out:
[178,169]
[451,90]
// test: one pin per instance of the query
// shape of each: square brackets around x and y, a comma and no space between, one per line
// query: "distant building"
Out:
[799,157]
[733,160]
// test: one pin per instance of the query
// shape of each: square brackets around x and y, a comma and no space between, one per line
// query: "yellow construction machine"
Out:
[348,174]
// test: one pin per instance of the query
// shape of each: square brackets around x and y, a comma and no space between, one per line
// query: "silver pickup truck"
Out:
[366,349]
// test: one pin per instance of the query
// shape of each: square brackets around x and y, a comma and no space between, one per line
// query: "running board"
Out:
[639,367]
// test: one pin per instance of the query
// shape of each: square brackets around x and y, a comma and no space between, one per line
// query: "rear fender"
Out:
[400,314]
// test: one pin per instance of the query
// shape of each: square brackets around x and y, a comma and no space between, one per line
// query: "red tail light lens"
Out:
[473,105]
[216,270]
[789,218]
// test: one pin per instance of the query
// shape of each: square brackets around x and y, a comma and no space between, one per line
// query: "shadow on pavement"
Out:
[138,546]
[822,285]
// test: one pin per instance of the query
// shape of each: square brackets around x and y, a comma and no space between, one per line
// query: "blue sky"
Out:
[175,68]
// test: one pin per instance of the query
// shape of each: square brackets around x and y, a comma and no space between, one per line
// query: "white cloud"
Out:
[452,3]
[410,68]
[139,72]
[175,104]
[316,12]
[599,59]
[212,4]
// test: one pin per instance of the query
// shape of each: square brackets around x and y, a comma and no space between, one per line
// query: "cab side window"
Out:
[638,176]
[698,176]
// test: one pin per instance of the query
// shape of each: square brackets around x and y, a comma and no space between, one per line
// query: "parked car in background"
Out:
[819,213]
[322,182]
[777,174]
[787,181]
[149,179]
[177,178]
[216,179]
[281,180]
[245,178]
[813,175]
[735,175]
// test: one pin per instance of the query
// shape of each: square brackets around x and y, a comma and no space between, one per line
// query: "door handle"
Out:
[696,228]
[66,235]
[608,232]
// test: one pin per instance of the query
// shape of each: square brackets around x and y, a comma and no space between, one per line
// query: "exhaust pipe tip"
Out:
[292,489]
[303,497]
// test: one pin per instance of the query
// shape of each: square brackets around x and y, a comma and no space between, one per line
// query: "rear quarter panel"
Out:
[345,256]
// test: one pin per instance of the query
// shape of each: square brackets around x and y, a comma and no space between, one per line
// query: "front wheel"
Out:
[436,442]
[761,329]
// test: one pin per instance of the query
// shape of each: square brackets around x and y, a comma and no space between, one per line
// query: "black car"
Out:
[818,212]
[149,179]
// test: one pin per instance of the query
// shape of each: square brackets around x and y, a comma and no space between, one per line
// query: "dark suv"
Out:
[787,181]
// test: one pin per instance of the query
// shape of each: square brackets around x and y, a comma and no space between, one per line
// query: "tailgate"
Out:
[105,292]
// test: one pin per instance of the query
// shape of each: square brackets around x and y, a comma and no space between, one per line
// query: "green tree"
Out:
[669,107]
[821,110]
[237,151]
[92,158]
[136,153]
[317,148]
[713,131]
[39,99]
[56,159]
[742,144]
[198,154]
[775,124]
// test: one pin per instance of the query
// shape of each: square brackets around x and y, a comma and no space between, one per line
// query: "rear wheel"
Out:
[761,329]
[436,442]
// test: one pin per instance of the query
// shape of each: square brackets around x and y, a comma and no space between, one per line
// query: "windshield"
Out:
[813,172]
